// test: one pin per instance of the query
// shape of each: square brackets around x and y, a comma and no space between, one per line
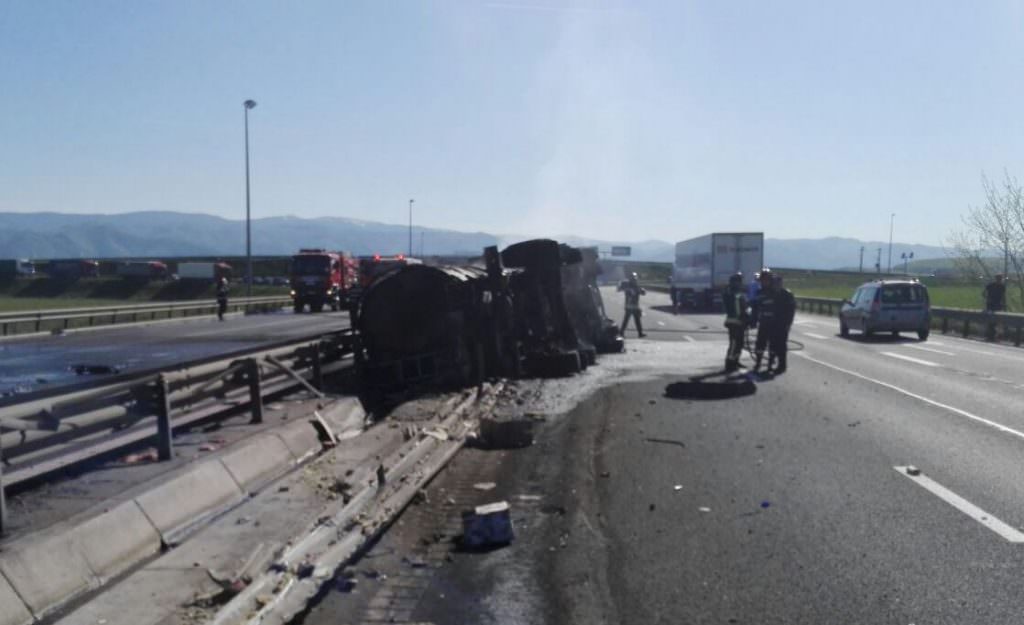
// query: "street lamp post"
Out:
[248,104]
[410,228]
[892,217]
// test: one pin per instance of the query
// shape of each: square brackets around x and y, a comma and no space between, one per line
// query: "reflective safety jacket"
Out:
[735,302]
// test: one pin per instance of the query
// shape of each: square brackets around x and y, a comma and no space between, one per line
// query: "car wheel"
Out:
[868,332]
[844,330]
[923,334]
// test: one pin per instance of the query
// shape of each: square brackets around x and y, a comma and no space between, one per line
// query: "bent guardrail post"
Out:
[318,373]
[295,376]
[165,439]
[252,374]
[3,498]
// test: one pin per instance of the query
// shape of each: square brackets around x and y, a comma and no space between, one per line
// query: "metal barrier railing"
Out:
[999,326]
[49,433]
[64,319]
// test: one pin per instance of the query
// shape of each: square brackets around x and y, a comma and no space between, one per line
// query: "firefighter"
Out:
[633,292]
[766,316]
[222,298]
[785,310]
[736,320]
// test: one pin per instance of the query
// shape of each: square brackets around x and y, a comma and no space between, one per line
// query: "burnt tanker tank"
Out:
[420,325]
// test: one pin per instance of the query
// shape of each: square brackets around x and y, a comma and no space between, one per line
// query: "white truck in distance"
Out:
[703,265]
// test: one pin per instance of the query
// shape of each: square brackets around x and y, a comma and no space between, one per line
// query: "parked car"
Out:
[887,306]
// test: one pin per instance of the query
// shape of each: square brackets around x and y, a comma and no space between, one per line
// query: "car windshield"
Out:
[310,265]
[902,294]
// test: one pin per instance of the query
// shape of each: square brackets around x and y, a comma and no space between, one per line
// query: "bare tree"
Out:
[997,226]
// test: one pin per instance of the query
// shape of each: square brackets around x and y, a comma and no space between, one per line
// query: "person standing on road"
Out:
[633,291]
[222,298]
[995,295]
[766,317]
[785,311]
[736,319]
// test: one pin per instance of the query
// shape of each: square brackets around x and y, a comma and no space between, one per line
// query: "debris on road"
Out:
[912,470]
[704,509]
[666,441]
[512,434]
[149,455]
[766,504]
[437,433]
[484,486]
[677,487]
[487,525]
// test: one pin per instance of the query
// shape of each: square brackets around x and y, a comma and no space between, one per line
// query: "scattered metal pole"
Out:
[252,373]
[165,438]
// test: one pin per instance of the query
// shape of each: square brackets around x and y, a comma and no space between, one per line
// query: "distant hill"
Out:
[156,234]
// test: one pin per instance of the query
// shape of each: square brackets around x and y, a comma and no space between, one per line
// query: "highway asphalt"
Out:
[789,505]
[33,362]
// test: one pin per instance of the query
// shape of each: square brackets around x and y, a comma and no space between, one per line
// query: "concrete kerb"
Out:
[116,539]
[259,461]
[47,570]
[12,609]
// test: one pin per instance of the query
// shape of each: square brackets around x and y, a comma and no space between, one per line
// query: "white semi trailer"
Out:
[702,266]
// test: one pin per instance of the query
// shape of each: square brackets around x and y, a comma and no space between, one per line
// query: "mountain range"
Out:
[174,234]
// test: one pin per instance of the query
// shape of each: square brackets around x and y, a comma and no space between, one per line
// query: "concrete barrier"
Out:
[116,539]
[258,461]
[12,608]
[201,491]
[344,414]
[47,570]
[301,439]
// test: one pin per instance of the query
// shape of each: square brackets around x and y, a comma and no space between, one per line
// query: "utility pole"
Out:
[410,227]
[878,262]
[862,259]
[892,218]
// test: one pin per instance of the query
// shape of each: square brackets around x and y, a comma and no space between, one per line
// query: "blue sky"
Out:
[626,120]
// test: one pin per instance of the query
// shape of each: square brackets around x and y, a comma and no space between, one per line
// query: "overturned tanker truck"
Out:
[534,309]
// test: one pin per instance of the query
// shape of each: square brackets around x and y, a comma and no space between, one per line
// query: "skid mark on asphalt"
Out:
[957,411]
[918,361]
[961,504]
[928,349]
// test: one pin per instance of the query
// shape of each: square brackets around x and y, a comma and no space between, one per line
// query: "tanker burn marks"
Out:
[532,310]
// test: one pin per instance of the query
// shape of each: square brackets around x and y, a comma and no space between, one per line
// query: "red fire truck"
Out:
[320,278]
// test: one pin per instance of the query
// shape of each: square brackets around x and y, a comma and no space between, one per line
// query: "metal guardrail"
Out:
[1007,327]
[23,322]
[53,431]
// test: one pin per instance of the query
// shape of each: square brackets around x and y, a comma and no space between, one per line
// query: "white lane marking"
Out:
[661,323]
[937,343]
[961,504]
[688,338]
[815,336]
[983,352]
[805,322]
[928,349]
[963,413]
[926,363]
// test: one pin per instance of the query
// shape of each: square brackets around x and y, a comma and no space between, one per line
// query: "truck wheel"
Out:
[923,333]
[298,308]
[318,307]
